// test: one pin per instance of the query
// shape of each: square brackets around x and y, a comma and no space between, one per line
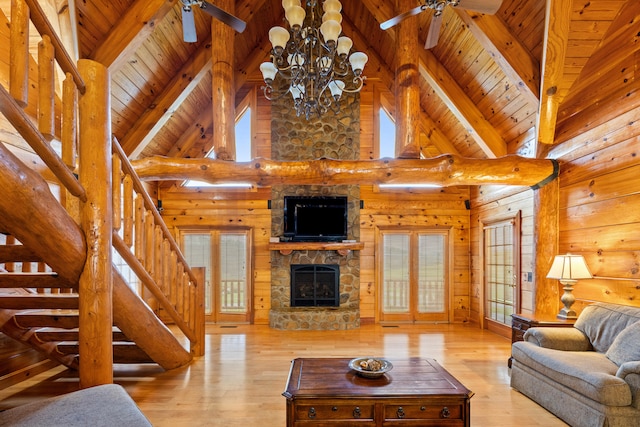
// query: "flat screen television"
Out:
[315,218]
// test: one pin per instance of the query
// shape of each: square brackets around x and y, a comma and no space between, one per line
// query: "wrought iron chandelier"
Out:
[313,58]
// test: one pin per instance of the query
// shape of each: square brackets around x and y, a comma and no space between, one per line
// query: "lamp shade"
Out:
[279,36]
[332,6]
[268,70]
[569,267]
[330,30]
[295,15]
[358,60]
[344,45]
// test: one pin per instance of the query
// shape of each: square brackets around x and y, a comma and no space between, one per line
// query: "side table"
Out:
[521,322]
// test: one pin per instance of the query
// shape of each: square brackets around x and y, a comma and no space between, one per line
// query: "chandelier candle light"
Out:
[314,61]
[568,269]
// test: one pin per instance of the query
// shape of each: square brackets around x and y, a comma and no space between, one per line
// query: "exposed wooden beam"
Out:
[383,11]
[451,94]
[167,102]
[445,86]
[446,170]
[194,133]
[407,86]
[556,34]
[515,60]
[130,32]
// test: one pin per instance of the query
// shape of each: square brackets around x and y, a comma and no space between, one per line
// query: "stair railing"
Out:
[156,258]
[149,249]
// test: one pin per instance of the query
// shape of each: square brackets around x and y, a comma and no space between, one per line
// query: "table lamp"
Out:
[568,269]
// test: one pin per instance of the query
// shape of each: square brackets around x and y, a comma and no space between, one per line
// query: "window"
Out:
[244,149]
[387,135]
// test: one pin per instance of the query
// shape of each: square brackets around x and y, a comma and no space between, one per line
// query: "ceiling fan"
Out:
[189,24]
[483,6]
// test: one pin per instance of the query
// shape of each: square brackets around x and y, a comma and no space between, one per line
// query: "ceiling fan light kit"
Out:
[488,7]
[313,58]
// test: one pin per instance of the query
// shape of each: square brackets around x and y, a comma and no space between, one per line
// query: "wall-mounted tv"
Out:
[315,219]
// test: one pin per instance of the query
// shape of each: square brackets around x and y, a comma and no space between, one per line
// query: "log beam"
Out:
[447,170]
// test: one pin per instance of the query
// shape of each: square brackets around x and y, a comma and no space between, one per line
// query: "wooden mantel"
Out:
[343,248]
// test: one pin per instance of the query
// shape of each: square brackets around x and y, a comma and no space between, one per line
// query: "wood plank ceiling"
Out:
[489,87]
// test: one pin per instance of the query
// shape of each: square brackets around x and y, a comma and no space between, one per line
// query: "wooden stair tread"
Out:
[33,280]
[57,334]
[123,352]
[39,301]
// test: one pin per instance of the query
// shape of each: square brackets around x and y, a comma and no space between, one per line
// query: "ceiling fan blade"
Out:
[226,18]
[188,25]
[490,7]
[396,20]
[434,31]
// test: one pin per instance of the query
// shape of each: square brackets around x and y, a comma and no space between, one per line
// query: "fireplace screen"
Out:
[315,285]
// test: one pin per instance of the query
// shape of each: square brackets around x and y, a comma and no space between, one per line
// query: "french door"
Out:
[413,275]
[226,257]
[501,270]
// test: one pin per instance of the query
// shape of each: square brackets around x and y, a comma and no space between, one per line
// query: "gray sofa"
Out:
[588,375]
[100,406]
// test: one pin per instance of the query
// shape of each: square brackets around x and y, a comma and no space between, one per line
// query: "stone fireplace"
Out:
[337,136]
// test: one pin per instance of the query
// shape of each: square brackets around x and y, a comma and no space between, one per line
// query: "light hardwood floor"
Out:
[238,383]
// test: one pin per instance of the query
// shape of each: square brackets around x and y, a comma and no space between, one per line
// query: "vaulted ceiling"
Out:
[494,84]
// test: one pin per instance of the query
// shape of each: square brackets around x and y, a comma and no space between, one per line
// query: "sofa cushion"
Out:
[626,346]
[586,372]
[602,322]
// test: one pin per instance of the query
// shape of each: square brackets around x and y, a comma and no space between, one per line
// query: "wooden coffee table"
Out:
[416,392]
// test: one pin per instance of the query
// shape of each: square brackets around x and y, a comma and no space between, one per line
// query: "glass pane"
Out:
[431,273]
[233,273]
[499,267]
[395,280]
[197,252]
[387,135]
[243,137]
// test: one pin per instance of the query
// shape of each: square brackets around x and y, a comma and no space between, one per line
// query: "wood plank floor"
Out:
[238,383]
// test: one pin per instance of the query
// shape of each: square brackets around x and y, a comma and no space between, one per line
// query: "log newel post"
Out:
[95,287]
[546,229]
[197,346]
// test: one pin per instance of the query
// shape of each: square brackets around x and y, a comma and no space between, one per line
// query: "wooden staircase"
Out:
[40,310]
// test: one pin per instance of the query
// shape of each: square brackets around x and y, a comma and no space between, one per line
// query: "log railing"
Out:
[136,230]
[143,240]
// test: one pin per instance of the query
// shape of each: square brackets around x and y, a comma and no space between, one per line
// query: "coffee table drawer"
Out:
[423,412]
[351,411]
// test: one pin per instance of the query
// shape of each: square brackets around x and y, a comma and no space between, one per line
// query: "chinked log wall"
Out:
[81,255]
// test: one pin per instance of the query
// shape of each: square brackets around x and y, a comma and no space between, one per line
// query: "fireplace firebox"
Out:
[315,285]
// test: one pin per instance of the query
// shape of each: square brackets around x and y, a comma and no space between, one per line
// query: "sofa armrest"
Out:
[567,339]
[627,368]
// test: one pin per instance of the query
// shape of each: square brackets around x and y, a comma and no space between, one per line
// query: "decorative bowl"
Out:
[362,366]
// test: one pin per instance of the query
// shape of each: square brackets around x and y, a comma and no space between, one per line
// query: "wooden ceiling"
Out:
[482,86]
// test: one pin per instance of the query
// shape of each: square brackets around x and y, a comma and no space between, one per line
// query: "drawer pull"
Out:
[356,412]
[334,409]
[423,408]
[445,412]
[400,412]
[312,412]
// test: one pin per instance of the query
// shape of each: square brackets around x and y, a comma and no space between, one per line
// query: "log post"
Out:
[69,122]
[19,55]
[546,229]
[224,128]
[46,88]
[407,87]
[197,346]
[95,287]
